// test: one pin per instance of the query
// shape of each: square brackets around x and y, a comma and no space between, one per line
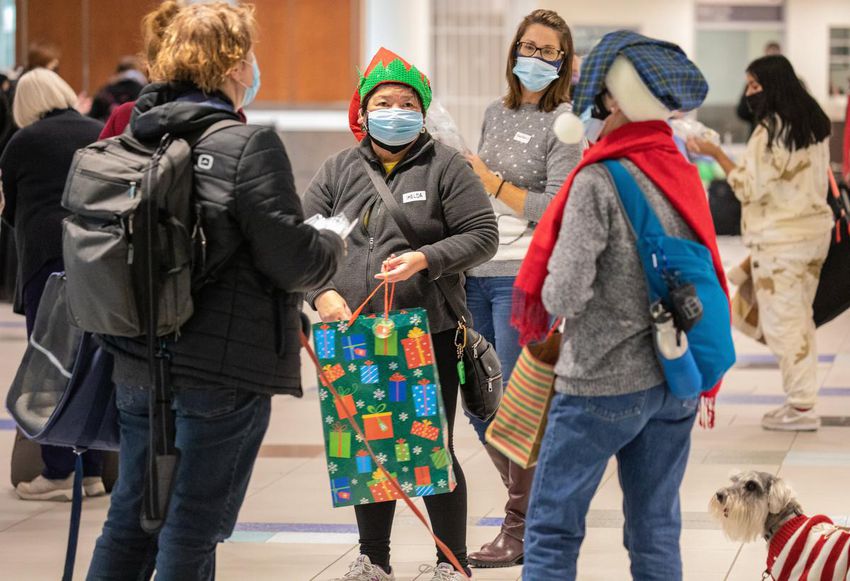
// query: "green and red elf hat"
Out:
[387,67]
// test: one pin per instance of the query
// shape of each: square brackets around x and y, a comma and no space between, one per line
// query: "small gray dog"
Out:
[758,504]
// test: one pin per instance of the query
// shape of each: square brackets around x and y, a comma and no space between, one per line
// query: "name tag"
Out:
[522,137]
[414,197]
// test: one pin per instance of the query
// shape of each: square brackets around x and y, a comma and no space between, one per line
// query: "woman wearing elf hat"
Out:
[522,165]
[443,199]
[611,398]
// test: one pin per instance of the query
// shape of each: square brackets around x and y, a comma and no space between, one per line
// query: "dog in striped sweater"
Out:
[758,504]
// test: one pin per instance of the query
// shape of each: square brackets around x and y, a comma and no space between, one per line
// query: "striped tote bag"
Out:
[517,429]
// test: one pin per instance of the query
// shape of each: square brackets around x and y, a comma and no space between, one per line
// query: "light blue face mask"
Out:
[534,74]
[394,126]
[251,92]
[592,125]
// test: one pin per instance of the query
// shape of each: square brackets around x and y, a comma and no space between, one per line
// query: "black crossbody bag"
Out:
[479,368]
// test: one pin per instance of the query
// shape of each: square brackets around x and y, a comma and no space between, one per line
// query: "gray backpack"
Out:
[133,225]
[130,255]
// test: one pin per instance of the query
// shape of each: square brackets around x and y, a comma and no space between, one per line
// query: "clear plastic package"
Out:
[443,128]
[338,224]
[686,128]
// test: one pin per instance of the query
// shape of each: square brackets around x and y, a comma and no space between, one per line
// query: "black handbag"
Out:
[63,394]
[833,295]
[479,367]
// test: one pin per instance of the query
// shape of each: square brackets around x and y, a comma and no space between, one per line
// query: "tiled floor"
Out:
[285,530]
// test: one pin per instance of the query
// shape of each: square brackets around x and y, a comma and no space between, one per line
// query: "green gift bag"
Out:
[364,370]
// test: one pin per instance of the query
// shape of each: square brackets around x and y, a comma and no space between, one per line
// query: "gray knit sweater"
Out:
[521,147]
[596,282]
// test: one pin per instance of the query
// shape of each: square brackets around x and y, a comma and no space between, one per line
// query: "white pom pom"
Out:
[568,128]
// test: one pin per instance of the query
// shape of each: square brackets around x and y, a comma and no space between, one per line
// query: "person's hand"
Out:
[400,268]
[84,103]
[332,307]
[490,180]
[703,147]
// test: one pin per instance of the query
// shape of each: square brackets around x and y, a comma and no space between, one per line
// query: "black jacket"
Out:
[441,197]
[261,255]
[35,164]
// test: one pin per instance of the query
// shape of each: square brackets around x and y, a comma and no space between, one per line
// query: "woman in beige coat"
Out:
[781,182]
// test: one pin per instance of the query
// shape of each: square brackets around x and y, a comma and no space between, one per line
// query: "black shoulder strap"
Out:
[215,128]
[404,225]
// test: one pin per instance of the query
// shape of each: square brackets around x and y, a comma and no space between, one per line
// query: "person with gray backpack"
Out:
[187,252]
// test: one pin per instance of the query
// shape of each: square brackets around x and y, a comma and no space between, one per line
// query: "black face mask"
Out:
[755,103]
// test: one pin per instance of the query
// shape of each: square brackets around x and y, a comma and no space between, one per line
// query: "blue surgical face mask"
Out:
[592,125]
[251,92]
[394,126]
[535,74]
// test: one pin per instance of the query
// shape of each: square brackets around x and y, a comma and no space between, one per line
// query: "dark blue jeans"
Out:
[650,434]
[219,433]
[490,300]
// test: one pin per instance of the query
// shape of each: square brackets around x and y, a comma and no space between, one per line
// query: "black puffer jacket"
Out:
[244,332]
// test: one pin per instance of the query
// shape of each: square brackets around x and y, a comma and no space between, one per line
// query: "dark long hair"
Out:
[801,121]
[557,92]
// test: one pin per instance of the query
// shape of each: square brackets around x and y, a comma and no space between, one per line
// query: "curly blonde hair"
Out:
[154,25]
[204,42]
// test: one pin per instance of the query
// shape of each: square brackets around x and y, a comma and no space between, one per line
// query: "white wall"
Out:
[807,37]
[671,20]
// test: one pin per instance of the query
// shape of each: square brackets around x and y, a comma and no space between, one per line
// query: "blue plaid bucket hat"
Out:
[662,66]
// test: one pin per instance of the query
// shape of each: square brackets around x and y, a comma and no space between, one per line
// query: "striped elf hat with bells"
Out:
[387,67]
[650,79]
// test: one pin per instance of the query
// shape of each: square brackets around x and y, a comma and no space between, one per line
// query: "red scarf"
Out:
[649,145]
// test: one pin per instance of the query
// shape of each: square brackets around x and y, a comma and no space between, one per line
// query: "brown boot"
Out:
[506,550]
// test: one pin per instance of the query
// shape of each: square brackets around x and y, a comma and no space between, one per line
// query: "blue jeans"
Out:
[219,433]
[490,300]
[650,434]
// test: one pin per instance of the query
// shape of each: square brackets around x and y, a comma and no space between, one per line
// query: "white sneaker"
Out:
[40,488]
[442,572]
[363,570]
[789,419]
[93,486]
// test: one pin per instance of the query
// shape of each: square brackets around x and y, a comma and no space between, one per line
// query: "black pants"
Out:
[447,512]
[58,460]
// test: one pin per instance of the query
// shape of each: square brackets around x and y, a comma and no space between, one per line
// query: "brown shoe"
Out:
[506,550]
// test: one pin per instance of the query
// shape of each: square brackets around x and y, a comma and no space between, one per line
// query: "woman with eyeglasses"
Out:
[522,165]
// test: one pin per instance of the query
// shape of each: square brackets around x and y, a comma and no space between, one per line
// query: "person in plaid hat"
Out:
[445,202]
[583,266]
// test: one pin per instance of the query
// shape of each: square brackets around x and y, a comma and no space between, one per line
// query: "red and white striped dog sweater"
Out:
[809,549]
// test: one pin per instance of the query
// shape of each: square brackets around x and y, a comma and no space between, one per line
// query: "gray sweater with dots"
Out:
[521,147]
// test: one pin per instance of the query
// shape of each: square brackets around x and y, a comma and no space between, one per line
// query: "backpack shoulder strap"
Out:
[215,128]
[639,213]
[642,221]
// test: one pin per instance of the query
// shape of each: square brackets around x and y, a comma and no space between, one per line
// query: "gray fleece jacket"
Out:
[441,197]
[596,283]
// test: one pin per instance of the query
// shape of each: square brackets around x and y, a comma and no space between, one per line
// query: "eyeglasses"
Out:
[529,49]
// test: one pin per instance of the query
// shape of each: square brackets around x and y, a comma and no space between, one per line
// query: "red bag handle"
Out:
[389,297]
[836,193]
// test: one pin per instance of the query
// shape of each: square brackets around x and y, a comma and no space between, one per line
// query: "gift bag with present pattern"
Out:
[389,385]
